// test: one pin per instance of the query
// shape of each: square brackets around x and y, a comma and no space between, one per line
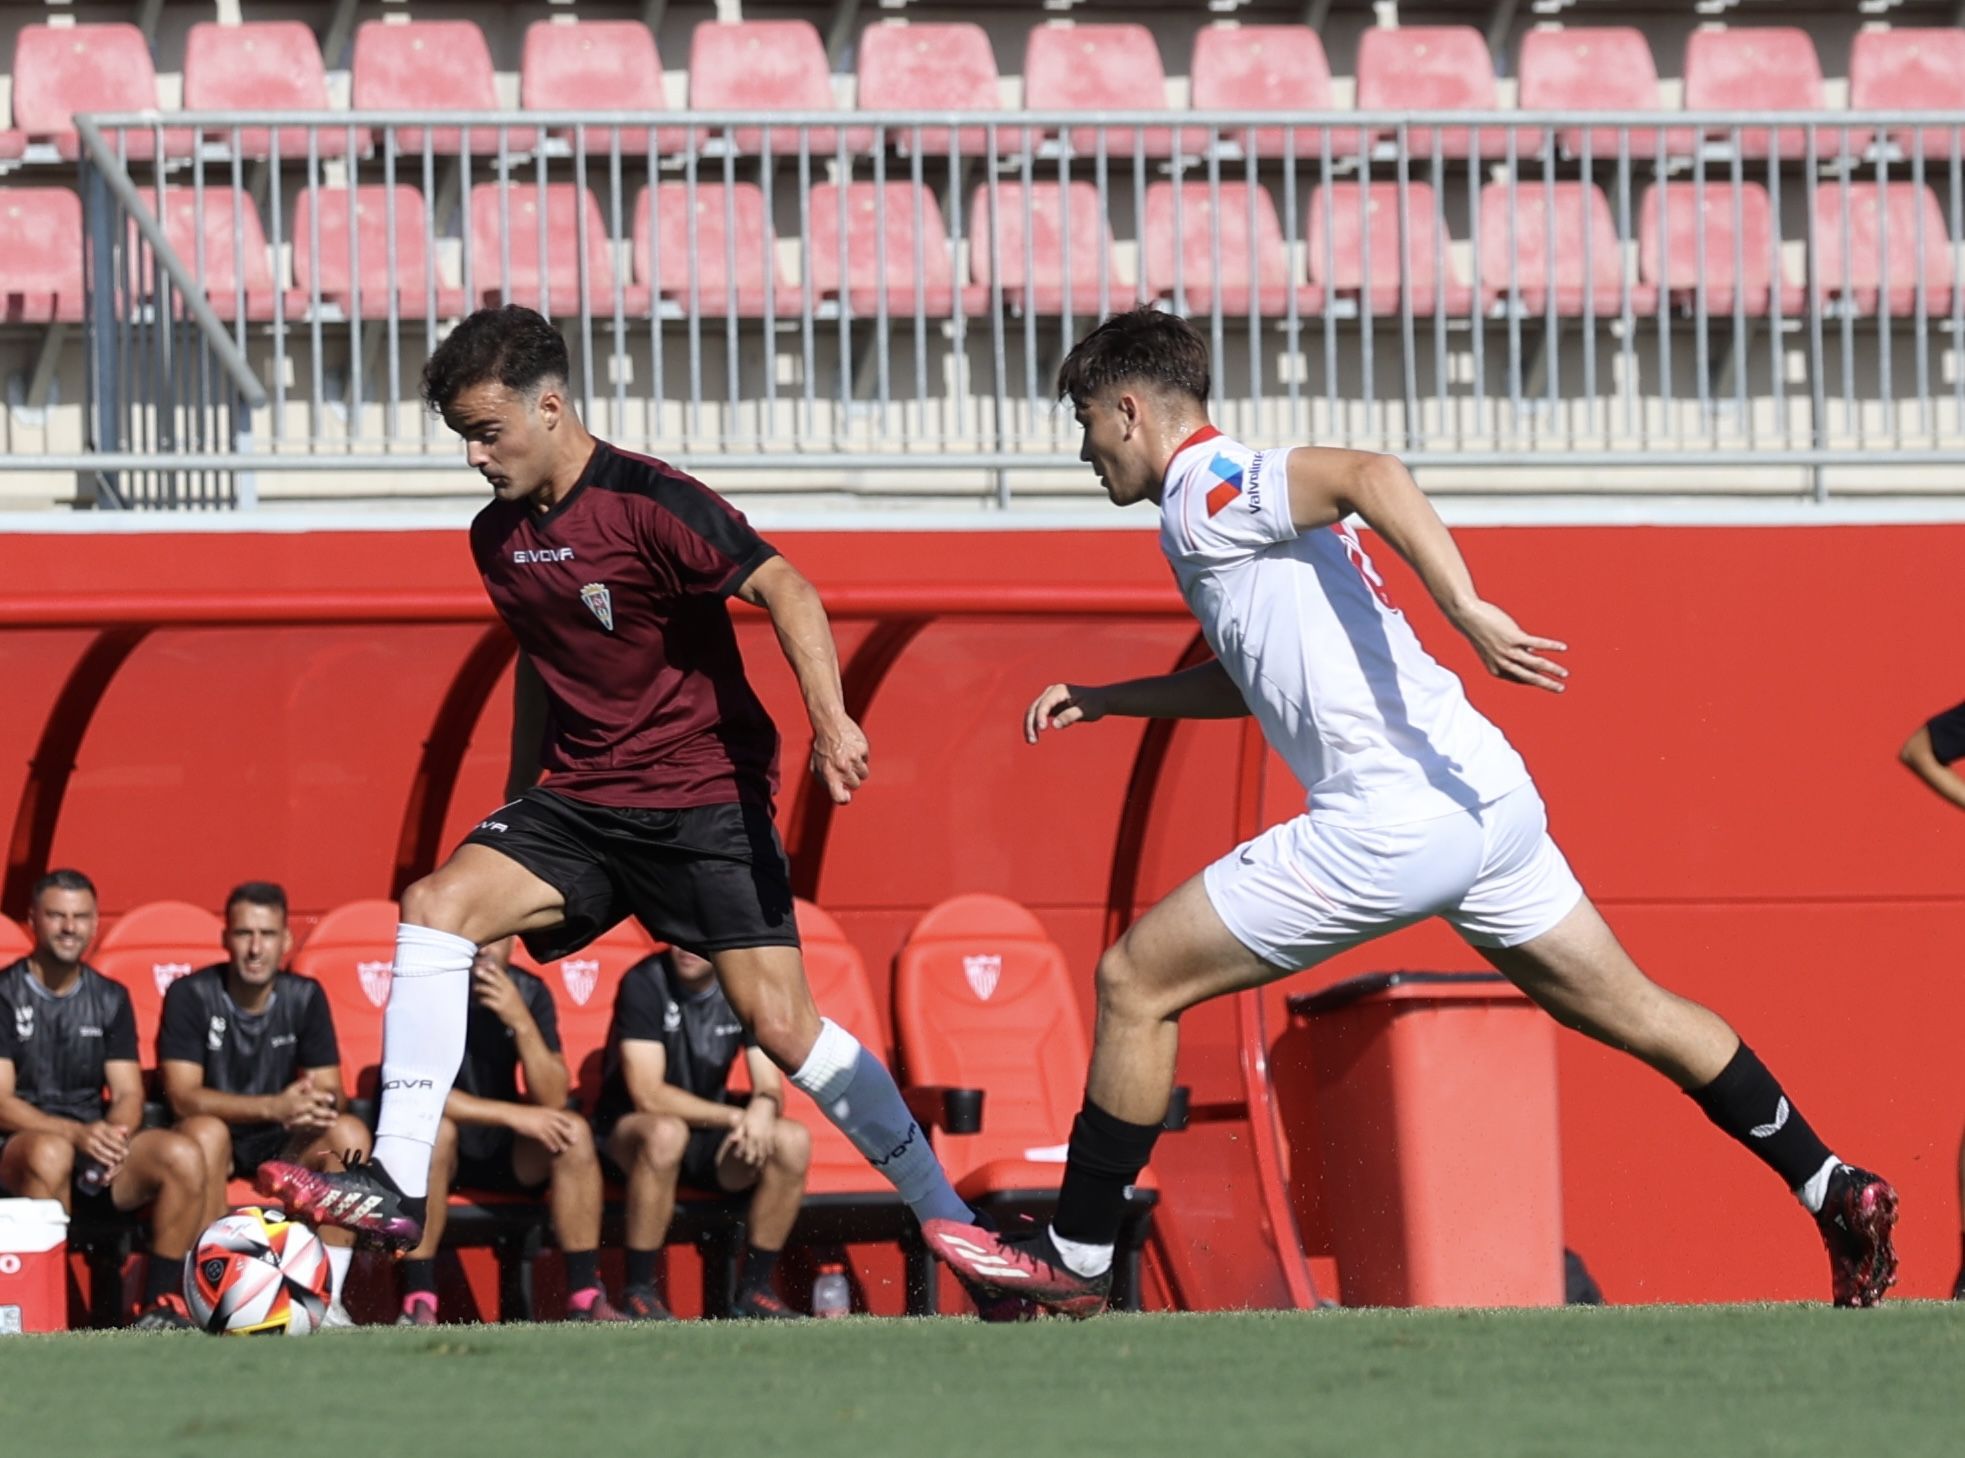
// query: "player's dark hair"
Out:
[513,346]
[63,880]
[1140,346]
[257,893]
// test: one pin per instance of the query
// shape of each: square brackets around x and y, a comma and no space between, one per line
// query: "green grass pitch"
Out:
[1721,1381]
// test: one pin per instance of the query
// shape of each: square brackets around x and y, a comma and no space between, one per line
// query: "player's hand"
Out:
[106,1143]
[304,1104]
[1511,653]
[557,1129]
[495,990]
[755,1133]
[1059,707]
[839,760]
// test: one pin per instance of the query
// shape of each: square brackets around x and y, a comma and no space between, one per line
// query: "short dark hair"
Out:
[514,346]
[1141,345]
[257,893]
[62,880]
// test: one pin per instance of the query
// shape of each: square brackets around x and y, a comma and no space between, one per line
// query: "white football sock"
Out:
[338,1257]
[1816,1190]
[422,1048]
[855,1090]
[1082,1259]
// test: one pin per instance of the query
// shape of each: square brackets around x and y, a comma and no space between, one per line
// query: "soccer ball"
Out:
[256,1273]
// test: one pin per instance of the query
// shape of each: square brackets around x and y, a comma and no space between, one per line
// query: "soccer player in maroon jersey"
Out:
[614,573]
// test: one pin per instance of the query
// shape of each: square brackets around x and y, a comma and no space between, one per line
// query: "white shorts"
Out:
[1303,891]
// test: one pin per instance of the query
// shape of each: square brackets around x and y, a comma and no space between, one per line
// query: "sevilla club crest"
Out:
[983,973]
[580,974]
[375,980]
[165,973]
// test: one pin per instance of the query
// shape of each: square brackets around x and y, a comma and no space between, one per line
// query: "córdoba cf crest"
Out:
[600,602]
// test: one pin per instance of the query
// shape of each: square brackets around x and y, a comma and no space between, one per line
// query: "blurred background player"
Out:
[1930,753]
[66,1033]
[668,1119]
[1420,808]
[250,1065]
[498,1136]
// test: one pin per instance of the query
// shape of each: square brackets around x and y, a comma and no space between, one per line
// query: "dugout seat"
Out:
[597,65]
[1110,67]
[762,66]
[1764,68]
[40,255]
[432,65]
[1267,68]
[148,949]
[1669,226]
[358,281]
[1534,258]
[1358,254]
[1596,68]
[1897,239]
[882,226]
[505,222]
[583,986]
[1910,68]
[1035,284]
[983,999]
[733,251]
[934,67]
[263,65]
[219,238]
[351,952]
[58,72]
[1252,269]
[1431,68]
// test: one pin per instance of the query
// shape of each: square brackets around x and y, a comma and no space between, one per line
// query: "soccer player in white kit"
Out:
[1421,808]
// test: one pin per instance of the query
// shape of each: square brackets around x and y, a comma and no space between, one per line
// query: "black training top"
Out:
[698,1031]
[247,1053]
[59,1045]
[1948,735]
[491,1058]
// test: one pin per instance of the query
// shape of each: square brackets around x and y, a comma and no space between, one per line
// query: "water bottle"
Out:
[91,1179]
[832,1294]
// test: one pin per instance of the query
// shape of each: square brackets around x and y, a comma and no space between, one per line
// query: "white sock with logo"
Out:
[422,1048]
[855,1090]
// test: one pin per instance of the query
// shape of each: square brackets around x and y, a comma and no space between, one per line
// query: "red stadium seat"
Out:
[1036,285]
[1596,68]
[1757,68]
[263,65]
[40,255]
[1431,68]
[351,952]
[733,251]
[1251,269]
[1899,235]
[148,949]
[1669,225]
[432,65]
[934,67]
[882,227]
[1368,270]
[1516,262]
[1267,68]
[597,65]
[583,988]
[336,277]
[506,220]
[753,66]
[210,237]
[1098,68]
[14,942]
[1911,69]
[87,68]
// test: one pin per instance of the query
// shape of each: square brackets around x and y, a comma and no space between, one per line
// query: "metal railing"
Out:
[844,294]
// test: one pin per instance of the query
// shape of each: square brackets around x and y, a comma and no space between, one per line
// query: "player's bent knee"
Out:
[664,1139]
[348,1135]
[439,902]
[1120,987]
[214,1136]
[50,1160]
[178,1161]
[791,1150]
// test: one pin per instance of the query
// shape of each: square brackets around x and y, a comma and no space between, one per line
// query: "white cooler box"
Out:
[33,1266]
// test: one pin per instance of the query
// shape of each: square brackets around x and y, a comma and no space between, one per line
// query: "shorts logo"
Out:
[375,978]
[983,973]
[165,973]
[215,1035]
[493,825]
[600,603]
[1227,486]
[580,974]
[24,1023]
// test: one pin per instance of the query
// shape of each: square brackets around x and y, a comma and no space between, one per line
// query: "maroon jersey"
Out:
[618,596]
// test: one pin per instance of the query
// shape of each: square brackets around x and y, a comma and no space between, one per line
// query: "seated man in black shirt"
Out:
[66,1033]
[495,1137]
[250,1064]
[666,1120]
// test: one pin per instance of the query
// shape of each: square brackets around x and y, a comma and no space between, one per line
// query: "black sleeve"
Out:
[181,1030]
[318,1047]
[1948,735]
[119,1038]
[709,544]
[539,1001]
[640,1004]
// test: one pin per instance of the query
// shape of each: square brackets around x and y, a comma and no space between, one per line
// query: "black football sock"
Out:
[1747,1102]
[582,1269]
[420,1276]
[1106,1156]
[759,1266]
[163,1274]
[645,1269]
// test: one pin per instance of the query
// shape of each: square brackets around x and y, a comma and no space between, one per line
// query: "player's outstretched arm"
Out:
[1328,485]
[528,728]
[1922,760]
[839,749]
[1204,691]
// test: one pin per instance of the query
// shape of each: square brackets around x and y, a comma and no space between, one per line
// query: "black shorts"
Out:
[254,1144]
[698,1169]
[486,1163]
[707,878]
